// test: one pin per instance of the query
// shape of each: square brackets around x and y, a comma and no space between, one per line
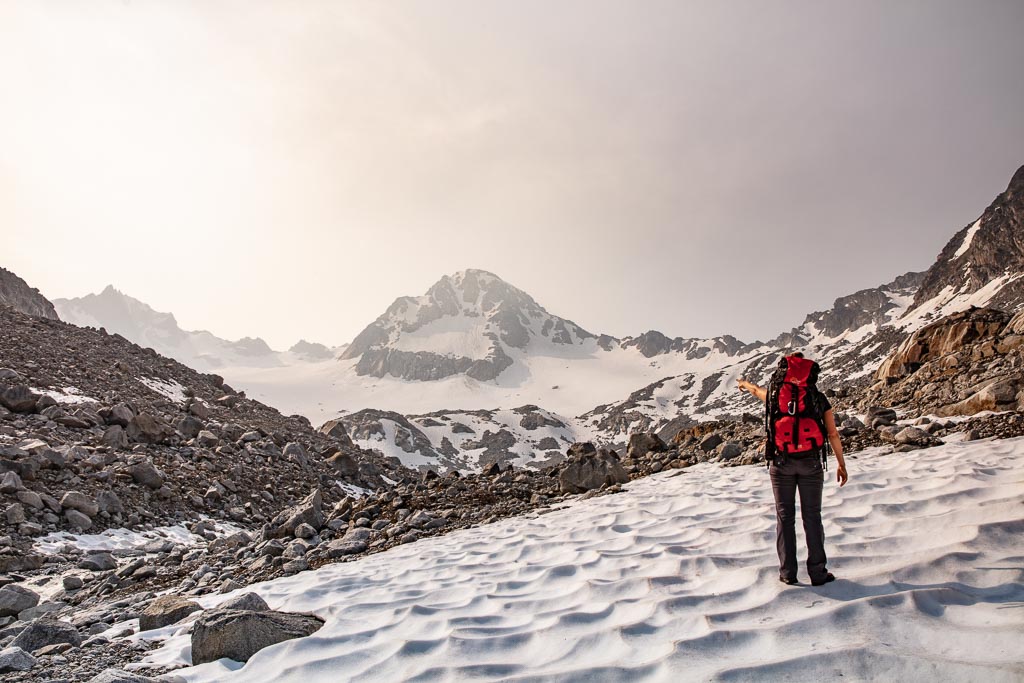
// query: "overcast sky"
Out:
[287,169]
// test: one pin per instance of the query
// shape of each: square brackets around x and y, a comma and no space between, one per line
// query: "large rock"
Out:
[80,521]
[246,601]
[145,472]
[18,399]
[353,542]
[120,415]
[189,427]
[166,610]
[335,429]
[14,599]
[239,634]
[101,561]
[15,659]
[643,443]
[879,416]
[592,471]
[912,435]
[47,631]
[115,437]
[309,511]
[75,500]
[344,464]
[149,429]
[108,501]
[711,442]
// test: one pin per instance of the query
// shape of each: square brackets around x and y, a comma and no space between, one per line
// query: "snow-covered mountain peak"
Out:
[466,323]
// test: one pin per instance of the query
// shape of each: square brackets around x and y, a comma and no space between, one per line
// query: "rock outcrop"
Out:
[16,293]
[239,634]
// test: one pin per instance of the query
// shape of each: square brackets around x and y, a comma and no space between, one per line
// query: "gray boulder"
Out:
[145,472]
[98,562]
[239,634]
[166,610]
[149,429]
[353,542]
[879,416]
[642,444]
[189,427]
[730,450]
[78,520]
[107,501]
[912,435]
[115,437]
[47,631]
[76,500]
[15,599]
[18,399]
[711,442]
[246,601]
[207,439]
[199,409]
[335,429]
[592,471]
[120,415]
[15,659]
[344,464]
[309,511]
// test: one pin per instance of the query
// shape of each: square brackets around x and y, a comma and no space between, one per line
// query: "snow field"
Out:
[675,579]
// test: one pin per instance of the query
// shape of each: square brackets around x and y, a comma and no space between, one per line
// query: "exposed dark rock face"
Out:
[995,250]
[866,307]
[16,293]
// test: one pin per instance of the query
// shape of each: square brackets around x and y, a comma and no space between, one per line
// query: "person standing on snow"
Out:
[800,430]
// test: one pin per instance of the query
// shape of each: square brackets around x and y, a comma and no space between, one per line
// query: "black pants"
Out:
[802,474]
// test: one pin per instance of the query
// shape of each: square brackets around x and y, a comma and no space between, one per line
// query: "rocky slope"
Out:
[16,293]
[97,432]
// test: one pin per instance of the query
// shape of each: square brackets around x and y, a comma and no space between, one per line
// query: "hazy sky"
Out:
[287,169]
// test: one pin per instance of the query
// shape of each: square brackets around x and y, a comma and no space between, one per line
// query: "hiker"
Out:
[800,428]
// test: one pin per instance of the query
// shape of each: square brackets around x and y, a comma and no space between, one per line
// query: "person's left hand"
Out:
[841,475]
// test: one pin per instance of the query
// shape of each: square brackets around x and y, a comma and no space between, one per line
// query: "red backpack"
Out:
[795,415]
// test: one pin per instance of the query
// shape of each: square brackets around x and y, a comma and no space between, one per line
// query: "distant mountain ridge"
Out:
[138,322]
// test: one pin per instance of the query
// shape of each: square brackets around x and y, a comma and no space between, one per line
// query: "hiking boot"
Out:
[829,578]
[790,582]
